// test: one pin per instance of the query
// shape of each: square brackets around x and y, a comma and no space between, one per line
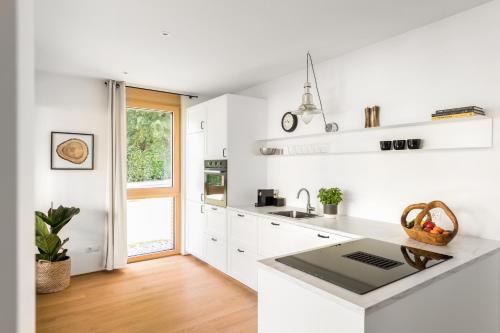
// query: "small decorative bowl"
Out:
[414,143]
[385,145]
[399,144]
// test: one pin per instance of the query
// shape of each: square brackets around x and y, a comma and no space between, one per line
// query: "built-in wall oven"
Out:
[215,192]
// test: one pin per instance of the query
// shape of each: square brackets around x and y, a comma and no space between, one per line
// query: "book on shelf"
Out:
[481,113]
[461,110]
[456,116]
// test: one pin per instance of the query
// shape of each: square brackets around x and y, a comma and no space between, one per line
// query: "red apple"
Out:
[429,225]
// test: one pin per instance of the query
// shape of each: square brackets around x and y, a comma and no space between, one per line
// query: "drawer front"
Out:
[216,221]
[276,238]
[216,252]
[243,228]
[242,264]
[313,238]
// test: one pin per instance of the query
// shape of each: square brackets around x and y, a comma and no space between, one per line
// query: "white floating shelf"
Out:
[467,133]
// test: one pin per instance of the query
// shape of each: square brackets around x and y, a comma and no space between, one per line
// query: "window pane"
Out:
[149,148]
[150,225]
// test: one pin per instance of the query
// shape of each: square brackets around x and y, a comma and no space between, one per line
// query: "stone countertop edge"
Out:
[465,251]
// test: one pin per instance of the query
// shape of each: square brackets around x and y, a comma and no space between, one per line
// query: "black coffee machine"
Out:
[265,198]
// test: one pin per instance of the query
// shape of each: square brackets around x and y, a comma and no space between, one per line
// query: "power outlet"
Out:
[92,249]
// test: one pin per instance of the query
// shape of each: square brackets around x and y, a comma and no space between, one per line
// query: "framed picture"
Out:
[71,151]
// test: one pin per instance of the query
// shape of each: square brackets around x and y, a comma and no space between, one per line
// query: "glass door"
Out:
[153,160]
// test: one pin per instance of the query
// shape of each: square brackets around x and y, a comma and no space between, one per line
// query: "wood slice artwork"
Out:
[73,150]
[418,234]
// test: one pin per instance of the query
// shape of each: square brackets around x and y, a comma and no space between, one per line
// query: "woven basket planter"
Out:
[52,276]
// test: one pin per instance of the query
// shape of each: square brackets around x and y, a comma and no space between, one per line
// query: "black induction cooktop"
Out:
[363,265]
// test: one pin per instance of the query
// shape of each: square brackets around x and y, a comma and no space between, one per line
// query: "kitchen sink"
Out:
[293,214]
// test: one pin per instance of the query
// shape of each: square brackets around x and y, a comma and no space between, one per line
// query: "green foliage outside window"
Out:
[149,152]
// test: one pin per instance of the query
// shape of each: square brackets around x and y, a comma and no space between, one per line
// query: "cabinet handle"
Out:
[241,215]
[201,209]
[240,251]
[202,197]
[274,223]
[202,124]
[214,239]
[224,152]
[214,208]
[323,236]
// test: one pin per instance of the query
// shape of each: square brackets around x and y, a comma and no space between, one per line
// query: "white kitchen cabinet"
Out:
[195,229]
[216,252]
[242,263]
[195,151]
[242,247]
[216,221]
[277,238]
[196,119]
[217,113]
[243,228]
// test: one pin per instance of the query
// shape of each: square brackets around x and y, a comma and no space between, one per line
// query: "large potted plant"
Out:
[53,266]
[330,198]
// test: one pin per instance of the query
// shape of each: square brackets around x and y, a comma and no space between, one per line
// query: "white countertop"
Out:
[465,251]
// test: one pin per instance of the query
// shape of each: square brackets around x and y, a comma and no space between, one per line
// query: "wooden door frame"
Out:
[163,102]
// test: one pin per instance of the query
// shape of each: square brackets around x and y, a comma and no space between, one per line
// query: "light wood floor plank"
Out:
[178,294]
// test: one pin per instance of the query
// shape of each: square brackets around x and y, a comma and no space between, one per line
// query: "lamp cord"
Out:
[309,59]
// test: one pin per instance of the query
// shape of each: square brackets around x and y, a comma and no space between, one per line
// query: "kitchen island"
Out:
[428,301]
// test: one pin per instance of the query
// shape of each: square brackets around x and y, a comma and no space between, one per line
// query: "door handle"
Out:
[202,124]
[274,223]
[241,215]
[224,152]
[323,236]
[240,251]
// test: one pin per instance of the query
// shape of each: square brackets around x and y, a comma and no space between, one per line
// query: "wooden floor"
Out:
[173,294]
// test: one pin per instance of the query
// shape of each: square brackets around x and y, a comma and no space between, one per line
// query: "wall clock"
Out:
[289,122]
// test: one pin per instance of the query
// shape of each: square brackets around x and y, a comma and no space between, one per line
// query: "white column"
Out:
[17,291]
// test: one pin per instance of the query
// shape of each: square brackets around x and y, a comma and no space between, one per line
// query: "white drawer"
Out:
[276,238]
[242,264]
[216,252]
[313,238]
[243,228]
[216,221]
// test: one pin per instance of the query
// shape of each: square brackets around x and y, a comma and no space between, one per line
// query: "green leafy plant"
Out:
[330,196]
[47,226]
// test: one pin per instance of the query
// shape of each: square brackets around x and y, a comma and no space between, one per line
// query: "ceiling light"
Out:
[307,109]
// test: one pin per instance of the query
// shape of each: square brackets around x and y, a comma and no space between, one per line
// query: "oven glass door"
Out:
[215,188]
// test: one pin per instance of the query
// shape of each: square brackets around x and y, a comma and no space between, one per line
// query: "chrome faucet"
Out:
[309,208]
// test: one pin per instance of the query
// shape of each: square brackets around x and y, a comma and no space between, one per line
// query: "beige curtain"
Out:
[116,223]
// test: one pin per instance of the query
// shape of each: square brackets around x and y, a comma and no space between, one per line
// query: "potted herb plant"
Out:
[330,198]
[53,266]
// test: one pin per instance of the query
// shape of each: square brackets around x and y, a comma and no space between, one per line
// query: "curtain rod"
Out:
[163,91]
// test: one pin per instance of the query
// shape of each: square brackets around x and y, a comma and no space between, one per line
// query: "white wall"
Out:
[73,104]
[454,62]
[17,279]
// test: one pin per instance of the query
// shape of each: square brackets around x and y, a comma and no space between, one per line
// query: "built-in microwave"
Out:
[215,192]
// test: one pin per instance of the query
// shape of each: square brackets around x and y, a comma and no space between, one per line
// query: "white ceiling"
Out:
[215,46]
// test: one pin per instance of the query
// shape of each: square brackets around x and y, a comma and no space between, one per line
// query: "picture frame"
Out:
[71,151]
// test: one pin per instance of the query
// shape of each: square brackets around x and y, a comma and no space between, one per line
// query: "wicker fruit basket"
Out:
[417,233]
